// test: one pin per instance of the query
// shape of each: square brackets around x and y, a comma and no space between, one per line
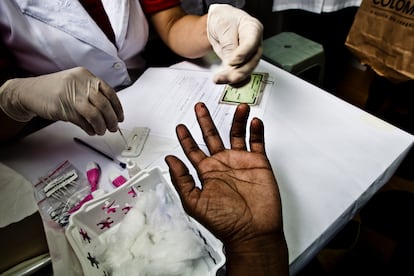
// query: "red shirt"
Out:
[152,6]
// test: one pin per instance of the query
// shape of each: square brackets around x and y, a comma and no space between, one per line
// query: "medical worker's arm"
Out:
[238,200]
[235,36]
[73,95]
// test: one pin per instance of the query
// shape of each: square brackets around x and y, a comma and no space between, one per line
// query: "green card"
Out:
[250,93]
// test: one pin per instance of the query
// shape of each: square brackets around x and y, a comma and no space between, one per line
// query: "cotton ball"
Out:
[174,244]
[179,242]
[135,220]
[155,238]
[117,244]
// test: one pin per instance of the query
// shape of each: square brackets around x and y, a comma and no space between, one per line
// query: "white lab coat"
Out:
[316,6]
[52,35]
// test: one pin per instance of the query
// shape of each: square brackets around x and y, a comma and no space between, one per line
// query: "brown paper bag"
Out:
[382,37]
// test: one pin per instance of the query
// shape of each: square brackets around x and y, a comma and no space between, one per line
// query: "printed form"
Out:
[170,95]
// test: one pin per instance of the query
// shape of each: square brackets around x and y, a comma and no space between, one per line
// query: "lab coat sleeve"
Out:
[8,68]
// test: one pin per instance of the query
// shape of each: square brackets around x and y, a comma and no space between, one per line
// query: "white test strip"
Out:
[136,141]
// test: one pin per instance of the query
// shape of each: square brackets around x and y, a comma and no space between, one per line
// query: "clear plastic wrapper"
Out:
[60,190]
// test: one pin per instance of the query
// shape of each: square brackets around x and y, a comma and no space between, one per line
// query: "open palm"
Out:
[239,198]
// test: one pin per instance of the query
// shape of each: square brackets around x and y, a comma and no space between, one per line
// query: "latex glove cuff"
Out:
[11,105]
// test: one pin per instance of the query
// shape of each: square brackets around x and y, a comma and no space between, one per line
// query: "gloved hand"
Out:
[73,95]
[236,37]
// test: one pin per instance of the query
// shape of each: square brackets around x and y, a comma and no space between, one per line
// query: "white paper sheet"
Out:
[170,95]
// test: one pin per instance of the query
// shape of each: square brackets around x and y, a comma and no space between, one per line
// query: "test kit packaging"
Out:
[59,191]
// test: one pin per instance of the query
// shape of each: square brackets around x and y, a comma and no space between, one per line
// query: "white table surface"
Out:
[329,157]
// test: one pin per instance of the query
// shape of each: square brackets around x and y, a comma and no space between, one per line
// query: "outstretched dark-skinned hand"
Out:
[238,200]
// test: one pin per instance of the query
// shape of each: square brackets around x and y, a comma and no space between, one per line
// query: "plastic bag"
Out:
[382,37]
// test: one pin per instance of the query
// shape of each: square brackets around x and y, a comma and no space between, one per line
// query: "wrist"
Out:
[265,255]
[10,102]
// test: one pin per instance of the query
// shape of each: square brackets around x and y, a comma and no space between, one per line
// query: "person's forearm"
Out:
[262,257]
[186,35]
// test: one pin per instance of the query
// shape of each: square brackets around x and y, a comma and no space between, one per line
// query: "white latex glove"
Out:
[73,95]
[236,38]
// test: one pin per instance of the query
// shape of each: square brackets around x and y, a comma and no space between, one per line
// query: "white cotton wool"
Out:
[155,238]
[115,244]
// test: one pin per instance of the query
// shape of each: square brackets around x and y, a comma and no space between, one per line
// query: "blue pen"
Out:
[120,163]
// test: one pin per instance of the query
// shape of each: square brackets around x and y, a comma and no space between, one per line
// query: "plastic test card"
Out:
[250,93]
[135,141]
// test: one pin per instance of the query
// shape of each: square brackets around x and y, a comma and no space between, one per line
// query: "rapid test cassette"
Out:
[135,142]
